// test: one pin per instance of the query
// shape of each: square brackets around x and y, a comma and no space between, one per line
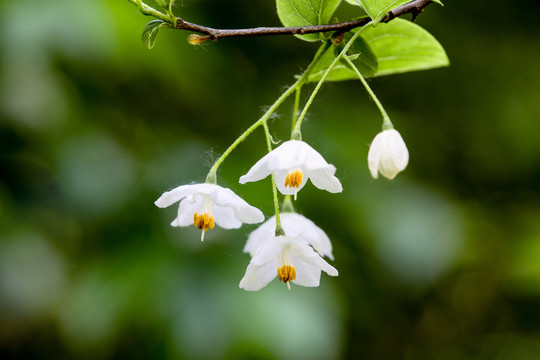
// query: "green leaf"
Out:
[402,46]
[359,53]
[355,2]
[377,9]
[150,32]
[305,13]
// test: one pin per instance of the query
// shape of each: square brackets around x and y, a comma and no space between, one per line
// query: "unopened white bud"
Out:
[388,154]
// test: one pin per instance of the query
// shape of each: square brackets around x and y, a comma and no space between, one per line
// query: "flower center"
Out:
[205,220]
[294,180]
[286,273]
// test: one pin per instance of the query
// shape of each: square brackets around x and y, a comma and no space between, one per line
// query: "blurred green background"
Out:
[441,263]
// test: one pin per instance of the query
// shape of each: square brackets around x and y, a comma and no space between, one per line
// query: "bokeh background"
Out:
[441,263]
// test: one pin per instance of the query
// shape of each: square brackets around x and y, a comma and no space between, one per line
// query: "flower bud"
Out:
[388,154]
[195,39]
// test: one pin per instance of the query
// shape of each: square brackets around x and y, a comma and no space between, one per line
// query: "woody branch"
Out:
[414,7]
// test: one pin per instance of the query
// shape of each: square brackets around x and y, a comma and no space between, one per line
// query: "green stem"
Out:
[170,10]
[212,174]
[262,121]
[148,10]
[295,107]
[387,124]
[296,134]
[211,177]
[279,229]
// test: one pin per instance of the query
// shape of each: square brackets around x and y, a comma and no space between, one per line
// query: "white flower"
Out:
[294,225]
[204,204]
[292,163]
[388,154]
[287,258]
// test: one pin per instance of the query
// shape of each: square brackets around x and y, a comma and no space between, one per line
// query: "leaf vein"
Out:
[298,12]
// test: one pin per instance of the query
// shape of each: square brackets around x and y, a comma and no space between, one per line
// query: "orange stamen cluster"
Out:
[286,273]
[203,221]
[294,178]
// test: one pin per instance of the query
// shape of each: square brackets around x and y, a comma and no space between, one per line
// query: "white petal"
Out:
[249,214]
[243,211]
[387,168]
[296,225]
[230,210]
[398,150]
[263,266]
[170,197]
[220,195]
[307,254]
[258,171]
[186,210]
[315,161]
[268,252]
[225,217]
[374,155]
[260,235]
[289,155]
[388,154]
[324,179]
[292,223]
[306,274]
[258,276]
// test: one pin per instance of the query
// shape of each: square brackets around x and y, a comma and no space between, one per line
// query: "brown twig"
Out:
[414,7]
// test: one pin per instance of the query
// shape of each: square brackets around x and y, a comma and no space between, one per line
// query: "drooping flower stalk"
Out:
[386,119]
[263,119]
[278,229]
[296,133]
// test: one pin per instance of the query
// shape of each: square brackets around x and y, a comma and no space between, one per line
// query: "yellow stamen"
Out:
[203,222]
[294,180]
[286,273]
